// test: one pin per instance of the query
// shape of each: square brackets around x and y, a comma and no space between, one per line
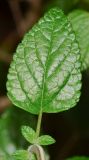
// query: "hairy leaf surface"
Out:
[80,23]
[45,72]
[29,134]
[45,140]
[21,155]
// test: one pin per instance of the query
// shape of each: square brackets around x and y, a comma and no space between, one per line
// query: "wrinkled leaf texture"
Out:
[80,24]
[45,71]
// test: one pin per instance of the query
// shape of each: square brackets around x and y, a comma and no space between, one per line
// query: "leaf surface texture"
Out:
[80,24]
[45,71]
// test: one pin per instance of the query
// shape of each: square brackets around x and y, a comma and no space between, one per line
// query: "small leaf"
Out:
[45,71]
[29,134]
[80,24]
[21,155]
[32,157]
[45,140]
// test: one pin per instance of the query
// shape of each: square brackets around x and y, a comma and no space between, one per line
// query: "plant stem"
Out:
[38,151]
[40,113]
[39,124]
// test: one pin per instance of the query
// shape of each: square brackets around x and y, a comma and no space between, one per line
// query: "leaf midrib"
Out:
[46,69]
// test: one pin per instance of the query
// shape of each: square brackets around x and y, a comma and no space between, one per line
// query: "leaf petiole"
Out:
[40,113]
[39,124]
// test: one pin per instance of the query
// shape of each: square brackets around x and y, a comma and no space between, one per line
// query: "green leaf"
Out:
[45,72]
[24,155]
[32,157]
[45,140]
[29,134]
[7,145]
[21,155]
[78,158]
[10,136]
[80,23]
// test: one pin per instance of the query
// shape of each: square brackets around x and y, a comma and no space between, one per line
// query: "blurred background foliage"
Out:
[10,132]
[70,128]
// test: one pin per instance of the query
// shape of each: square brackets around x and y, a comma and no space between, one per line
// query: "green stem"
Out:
[40,113]
[39,124]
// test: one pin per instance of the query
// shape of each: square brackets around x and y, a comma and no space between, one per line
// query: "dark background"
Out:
[70,128]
